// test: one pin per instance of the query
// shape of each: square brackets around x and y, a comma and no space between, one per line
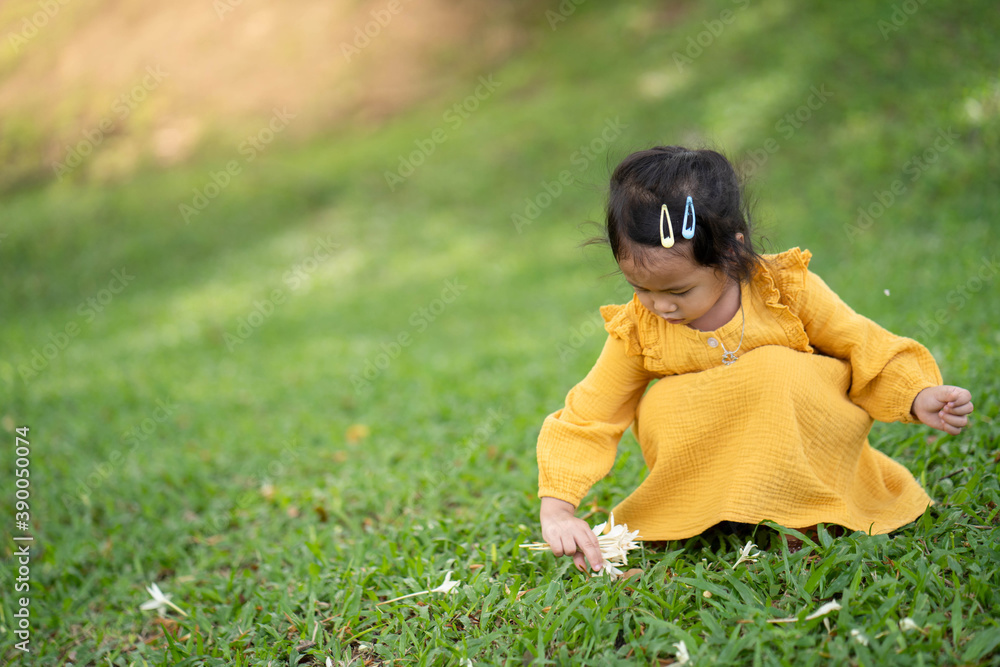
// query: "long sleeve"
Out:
[887,371]
[577,444]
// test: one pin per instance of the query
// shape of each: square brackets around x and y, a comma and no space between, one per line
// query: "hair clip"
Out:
[666,241]
[688,232]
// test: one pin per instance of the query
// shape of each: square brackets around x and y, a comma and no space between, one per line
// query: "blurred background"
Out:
[320,260]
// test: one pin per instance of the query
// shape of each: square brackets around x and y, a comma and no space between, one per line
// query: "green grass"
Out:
[243,497]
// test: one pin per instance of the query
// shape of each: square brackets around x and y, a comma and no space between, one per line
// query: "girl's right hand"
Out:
[568,535]
[946,408]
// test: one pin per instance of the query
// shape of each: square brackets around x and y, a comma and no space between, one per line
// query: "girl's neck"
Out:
[722,312]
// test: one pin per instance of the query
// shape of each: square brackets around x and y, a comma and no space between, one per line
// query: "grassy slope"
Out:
[251,506]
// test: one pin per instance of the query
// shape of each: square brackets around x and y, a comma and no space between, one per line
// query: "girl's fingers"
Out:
[947,428]
[584,552]
[963,409]
[592,549]
[570,547]
[563,546]
[958,421]
[958,395]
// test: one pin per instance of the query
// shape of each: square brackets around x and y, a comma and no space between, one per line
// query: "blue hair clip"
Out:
[688,232]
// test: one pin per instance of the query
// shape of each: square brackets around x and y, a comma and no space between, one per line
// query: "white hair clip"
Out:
[665,241]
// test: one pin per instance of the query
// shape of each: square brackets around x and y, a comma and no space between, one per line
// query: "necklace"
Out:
[730,358]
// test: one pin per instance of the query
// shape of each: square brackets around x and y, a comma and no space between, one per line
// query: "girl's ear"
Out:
[739,237]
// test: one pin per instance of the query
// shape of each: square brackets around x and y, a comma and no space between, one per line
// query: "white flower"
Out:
[683,657]
[329,663]
[907,624]
[857,636]
[610,569]
[886,292]
[746,556]
[615,545]
[446,586]
[159,602]
[825,609]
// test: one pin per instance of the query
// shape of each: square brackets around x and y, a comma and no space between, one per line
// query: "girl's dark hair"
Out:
[646,180]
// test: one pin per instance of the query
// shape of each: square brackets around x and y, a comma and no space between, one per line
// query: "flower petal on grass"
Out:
[823,610]
[447,585]
[683,657]
[610,569]
[908,625]
[160,601]
[745,555]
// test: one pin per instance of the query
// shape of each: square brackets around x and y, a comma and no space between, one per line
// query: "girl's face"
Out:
[681,291]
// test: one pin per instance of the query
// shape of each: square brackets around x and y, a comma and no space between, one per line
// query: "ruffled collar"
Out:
[777,282]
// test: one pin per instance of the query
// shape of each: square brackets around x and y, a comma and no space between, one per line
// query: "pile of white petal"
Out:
[615,545]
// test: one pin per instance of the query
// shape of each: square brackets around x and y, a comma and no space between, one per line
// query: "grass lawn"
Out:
[322,390]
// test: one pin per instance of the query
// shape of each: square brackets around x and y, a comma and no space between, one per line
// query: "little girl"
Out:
[766,383]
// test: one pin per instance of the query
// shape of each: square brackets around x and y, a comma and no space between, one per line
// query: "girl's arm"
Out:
[893,378]
[578,443]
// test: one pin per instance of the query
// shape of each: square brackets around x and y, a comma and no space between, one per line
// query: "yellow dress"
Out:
[780,435]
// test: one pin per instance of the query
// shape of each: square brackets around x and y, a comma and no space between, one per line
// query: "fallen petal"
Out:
[832,605]
[683,657]
[447,585]
[825,609]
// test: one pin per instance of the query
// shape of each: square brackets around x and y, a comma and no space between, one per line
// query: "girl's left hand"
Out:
[944,407]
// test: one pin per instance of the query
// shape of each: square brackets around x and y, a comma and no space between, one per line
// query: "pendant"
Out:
[729,358]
